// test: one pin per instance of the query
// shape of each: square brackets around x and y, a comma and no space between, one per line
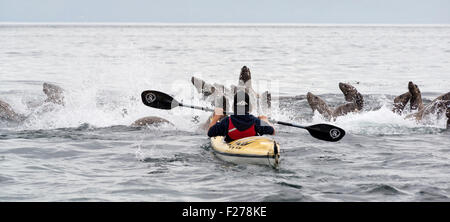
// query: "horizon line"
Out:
[220,23]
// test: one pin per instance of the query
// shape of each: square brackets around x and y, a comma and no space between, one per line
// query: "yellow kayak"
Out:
[252,150]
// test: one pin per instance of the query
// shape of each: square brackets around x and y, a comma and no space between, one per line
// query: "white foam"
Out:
[384,122]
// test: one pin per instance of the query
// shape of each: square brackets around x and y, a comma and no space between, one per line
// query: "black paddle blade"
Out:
[326,132]
[158,100]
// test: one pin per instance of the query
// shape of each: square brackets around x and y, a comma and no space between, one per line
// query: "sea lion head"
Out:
[413,88]
[202,87]
[245,75]
[349,91]
[416,97]
[351,94]
[54,93]
[318,104]
[313,99]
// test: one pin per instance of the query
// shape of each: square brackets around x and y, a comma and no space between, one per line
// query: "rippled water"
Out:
[86,151]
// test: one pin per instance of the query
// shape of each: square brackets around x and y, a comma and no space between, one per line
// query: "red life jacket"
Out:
[235,134]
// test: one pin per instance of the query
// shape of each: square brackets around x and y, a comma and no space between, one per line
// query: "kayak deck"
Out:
[252,150]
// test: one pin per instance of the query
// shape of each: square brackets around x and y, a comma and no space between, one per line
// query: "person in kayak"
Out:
[241,124]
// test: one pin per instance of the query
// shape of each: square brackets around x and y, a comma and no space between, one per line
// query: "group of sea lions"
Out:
[55,95]
[352,96]
[438,107]
[220,95]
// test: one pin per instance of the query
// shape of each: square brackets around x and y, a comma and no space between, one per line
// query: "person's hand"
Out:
[263,118]
[218,112]
[266,119]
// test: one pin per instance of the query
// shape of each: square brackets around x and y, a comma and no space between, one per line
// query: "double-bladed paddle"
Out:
[161,100]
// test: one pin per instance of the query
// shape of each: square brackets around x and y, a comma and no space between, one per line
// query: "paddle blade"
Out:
[158,100]
[326,132]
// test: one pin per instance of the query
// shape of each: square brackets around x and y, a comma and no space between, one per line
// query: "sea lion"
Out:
[150,120]
[400,102]
[416,97]
[245,78]
[317,103]
[263,102]
[212,91]
[8,114]
[245,84]
[438,107]
[448,117]
[413,96]
[344,109]
[445,96]
[54,93]
[202,87]
[351,95]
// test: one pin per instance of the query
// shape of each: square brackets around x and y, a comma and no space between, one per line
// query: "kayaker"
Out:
[241,124]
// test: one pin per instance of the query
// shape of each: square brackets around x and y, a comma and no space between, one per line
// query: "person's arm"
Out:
[217,128]
[269,124]
[218,115]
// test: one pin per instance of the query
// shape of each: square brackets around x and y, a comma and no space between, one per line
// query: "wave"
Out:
[380,189]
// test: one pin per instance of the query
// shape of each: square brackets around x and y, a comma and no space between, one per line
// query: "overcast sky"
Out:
[228,11]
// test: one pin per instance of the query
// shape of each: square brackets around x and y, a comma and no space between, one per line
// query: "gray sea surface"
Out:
[87,151]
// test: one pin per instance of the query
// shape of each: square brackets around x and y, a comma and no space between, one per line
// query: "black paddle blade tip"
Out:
[326,132]
[158,100]
[336,134]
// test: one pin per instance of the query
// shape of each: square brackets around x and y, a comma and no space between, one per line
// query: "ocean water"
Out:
[87,151]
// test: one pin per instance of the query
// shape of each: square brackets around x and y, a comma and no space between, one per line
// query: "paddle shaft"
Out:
[289,124]
[196,107]
[202,108]
[229,113]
